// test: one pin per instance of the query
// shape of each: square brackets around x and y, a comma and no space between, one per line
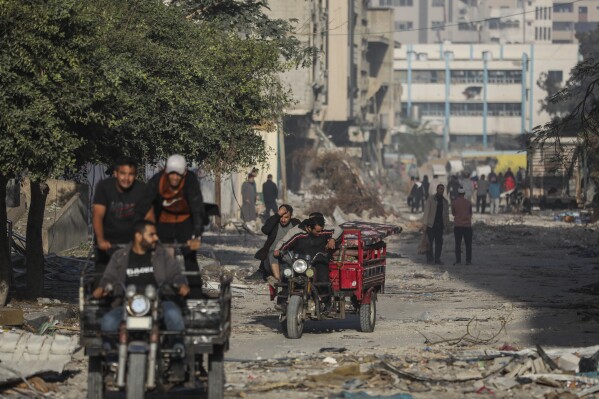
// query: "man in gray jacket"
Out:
[435,221]
[141,263]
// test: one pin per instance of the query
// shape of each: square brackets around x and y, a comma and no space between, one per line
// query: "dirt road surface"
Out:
[520,291]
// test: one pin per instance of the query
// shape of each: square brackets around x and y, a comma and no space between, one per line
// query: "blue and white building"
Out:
[478,95]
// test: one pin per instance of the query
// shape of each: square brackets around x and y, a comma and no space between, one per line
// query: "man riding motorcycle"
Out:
[310,239]
[142,262]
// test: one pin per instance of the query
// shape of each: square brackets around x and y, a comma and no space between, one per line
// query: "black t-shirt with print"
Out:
[140,271]
[120,209]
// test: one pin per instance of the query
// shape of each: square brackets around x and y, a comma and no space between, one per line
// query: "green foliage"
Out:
[43,83]
[88,81]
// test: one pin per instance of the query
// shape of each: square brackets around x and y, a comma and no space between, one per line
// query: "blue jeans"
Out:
[170,311]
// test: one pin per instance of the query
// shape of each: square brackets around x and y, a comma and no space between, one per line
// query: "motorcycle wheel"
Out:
[95,381]
[216,373]
[136,375]
[368,315]
[295,318]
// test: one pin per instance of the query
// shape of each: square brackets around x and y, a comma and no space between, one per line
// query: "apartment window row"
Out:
[461,76]
[563,7]
[563,26]
[542,13]
[542,33]
[404,25]
[497,23]
[465,109]
[397,3]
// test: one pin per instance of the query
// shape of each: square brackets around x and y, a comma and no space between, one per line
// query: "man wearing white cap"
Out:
[178,208]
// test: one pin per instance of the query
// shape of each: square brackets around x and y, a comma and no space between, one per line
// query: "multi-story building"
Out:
[486,21]
[479,95]
[346,94]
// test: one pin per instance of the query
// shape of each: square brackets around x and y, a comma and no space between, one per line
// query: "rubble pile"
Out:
[506,372]
[340,183]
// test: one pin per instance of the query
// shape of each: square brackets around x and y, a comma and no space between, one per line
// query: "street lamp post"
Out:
[486,58]
[448,57]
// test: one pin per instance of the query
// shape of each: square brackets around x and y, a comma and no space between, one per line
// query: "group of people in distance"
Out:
[131,219]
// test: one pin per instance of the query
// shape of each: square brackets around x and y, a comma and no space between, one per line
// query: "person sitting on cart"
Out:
[142,262]
[310,240]
[276,227]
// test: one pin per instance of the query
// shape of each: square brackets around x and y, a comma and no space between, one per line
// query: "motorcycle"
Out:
[299,296]
[146,356]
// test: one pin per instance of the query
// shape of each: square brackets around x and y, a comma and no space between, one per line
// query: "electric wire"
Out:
[437,27]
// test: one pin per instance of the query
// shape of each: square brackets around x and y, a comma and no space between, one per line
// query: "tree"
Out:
[88,81]
[42,70]
[574,108]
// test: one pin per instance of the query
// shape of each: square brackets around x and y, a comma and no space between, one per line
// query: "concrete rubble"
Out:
[441,371]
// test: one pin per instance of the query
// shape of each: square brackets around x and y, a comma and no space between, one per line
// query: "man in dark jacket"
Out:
[141,263]
[174,201]
[270,192]
[276,227]
[310,239]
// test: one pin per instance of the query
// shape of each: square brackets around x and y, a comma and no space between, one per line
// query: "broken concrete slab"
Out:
[23,354]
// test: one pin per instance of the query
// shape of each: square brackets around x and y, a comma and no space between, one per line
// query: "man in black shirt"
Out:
[435,221]
[142,262]
[113,210]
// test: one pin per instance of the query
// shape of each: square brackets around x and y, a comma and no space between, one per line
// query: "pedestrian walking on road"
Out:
[436,221]
[248,196]
[417,194]
[494,194]
[270,191]
[426,185]
[461,209]
[452,187]
[481,194]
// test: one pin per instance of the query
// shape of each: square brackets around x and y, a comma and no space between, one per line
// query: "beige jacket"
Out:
[430,208]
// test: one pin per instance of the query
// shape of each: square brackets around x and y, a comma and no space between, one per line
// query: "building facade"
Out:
[496,21]
[346,96]
[479,95]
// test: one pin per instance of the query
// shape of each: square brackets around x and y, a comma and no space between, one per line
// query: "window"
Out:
[563,7]
[406,3]
[537,13]
[563,26]
[583,10]
[404,25]
[438,25]
[555,76]
[466,26]
[536,33]
[438,3]
[466,109]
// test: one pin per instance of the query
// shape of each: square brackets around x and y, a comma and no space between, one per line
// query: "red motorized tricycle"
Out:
[356,272]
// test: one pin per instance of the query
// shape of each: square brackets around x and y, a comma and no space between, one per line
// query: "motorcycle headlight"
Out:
[287,272]
[300,266]
[139,305]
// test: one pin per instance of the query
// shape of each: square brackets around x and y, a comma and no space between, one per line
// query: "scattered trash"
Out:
[329,360]
[332,350]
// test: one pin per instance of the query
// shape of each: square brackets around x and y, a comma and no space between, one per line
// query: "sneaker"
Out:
[272,281]
[438,262]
